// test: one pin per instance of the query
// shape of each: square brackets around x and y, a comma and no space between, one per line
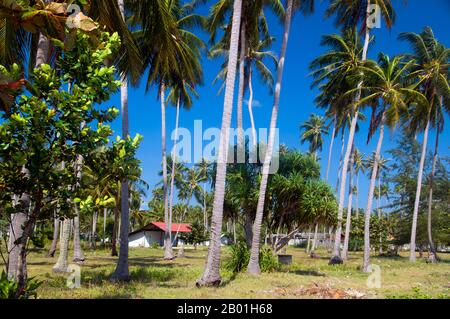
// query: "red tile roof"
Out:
[181,228]
[160,226]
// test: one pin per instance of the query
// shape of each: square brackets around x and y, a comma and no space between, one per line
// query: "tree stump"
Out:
[285,259]
[335,260]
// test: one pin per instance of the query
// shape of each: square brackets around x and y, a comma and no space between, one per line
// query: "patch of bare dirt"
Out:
[318,291]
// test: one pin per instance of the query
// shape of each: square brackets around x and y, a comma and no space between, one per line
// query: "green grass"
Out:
[152,277]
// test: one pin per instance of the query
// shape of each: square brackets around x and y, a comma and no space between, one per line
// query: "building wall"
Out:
[147,238]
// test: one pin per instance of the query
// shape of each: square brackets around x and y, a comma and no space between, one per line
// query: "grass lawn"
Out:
[152,277]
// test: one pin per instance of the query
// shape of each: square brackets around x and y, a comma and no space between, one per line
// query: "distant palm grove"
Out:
[69,186]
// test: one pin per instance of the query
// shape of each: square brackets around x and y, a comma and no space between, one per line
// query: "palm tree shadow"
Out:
[306,272]
[227,281]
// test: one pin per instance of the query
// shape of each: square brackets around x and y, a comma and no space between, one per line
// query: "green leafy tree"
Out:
[44,130]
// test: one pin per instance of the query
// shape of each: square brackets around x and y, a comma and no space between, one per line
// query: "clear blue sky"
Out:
[297,99]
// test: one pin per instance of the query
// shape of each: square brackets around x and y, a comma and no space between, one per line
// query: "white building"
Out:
[154,233]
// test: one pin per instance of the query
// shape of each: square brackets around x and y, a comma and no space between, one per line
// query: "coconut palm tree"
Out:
[384,81]
[348,220]
[332,72]
[178,95]
[211,274]
[439,128]
[202,195]
[313,131]
[253,27]
[431,65]
[350,13]
[305,7]
[170,54]
[360,166]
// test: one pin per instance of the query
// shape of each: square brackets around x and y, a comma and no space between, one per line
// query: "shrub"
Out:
[267,260]
[154,245]
[8,288]
[240,257]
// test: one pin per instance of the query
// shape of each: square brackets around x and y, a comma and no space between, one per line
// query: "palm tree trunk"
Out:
[174,154]
[380,240]
[337,240]
[168,253]
[341,158]
[316,230]
[78,255]
[122,272]
[240,101]
[94,229]
[357,195]
[248,230]
[15,231]
[250,108]
[105,210]
[52,250]
[412,256]
[43,49]
[62,263]
[330,152]
[368,211]
[348,221]
[308,241]
[433,255]
[211,274]
[253,265]
[115,227]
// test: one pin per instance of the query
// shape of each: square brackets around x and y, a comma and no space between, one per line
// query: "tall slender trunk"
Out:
[174,161]
[248,230]
[211,274]
[357,195]
[105,211]
[330,152]
[351,136]
[433,255]
[122,272]
[341,158]
[308,241]
[380,240]
[168,252]
[175,238]
[368,211]
[52,250]
[253,265]
[62,263]
[412,256]
[314,243]
[240,101]
[78,255]
[250,108]
[115,227]
[15,233]
[205,213]
[94,230]
[348,221]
